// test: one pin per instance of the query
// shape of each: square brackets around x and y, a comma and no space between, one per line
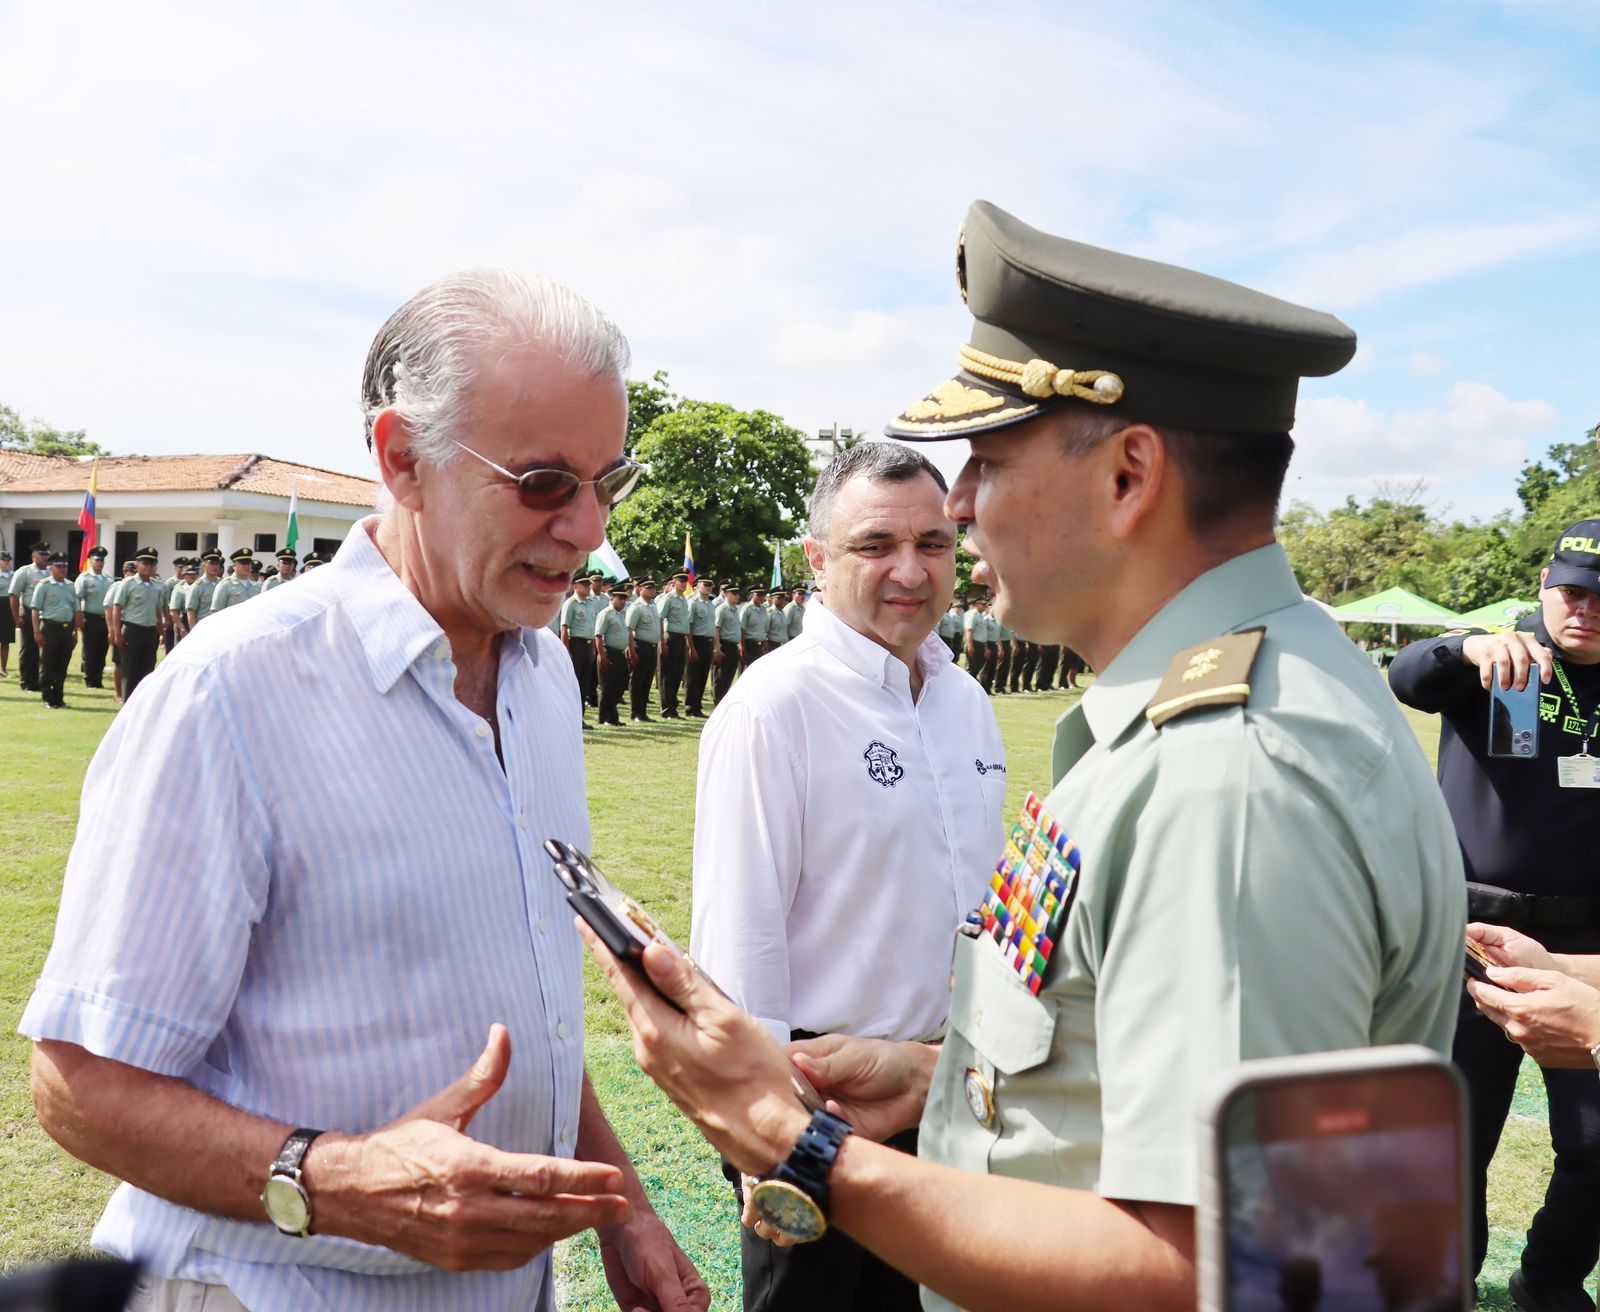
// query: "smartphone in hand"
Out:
[1514,718]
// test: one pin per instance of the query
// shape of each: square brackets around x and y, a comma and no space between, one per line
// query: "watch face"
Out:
[286,1205]
[789,1210]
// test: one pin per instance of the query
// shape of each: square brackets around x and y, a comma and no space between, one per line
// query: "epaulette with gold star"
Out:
[1211,673]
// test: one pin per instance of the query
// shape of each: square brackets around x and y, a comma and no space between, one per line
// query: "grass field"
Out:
[641,779]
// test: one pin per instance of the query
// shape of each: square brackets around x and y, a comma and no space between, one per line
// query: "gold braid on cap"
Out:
[1040,378]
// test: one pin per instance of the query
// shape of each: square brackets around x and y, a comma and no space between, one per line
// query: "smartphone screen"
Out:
[1514,717]
[1344,1191]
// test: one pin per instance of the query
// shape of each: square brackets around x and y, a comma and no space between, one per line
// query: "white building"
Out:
[180,505]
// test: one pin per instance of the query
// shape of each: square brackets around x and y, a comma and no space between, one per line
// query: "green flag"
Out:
[293,534]
[777,565]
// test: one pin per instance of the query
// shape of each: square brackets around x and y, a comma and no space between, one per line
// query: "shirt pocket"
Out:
[991,1008]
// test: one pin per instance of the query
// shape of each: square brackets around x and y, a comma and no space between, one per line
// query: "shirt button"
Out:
[482,730]
[544,925]
[561,1030]
[566,1135]
[522,821]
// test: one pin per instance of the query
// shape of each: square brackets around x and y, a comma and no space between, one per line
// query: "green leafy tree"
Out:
[19,434]
[648,400]
[1563,488]
[736,480]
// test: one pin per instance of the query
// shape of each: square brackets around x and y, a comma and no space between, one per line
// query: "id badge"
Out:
[1581,771]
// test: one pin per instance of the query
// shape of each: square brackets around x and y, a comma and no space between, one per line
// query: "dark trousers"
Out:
[835,1273]
[1564,1236]
[726,672]
[54,657]
[1002,671]
[140,643]
[95,642]
[613,683]
[582,652]
[698,670]
[644,672]
[1022,668]
[1049,658]
[977,660]
[750,652]
[28,661]
[955,647]
[169,639]
[674,650]
[1071,667]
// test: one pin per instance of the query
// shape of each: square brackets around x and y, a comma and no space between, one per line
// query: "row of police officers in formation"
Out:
[132,617]
[624,636]
[1001,660]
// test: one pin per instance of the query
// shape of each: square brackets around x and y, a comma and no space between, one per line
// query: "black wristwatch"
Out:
[284,1196]
[793,1200]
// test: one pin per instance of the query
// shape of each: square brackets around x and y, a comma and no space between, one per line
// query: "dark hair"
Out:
[887,462]
[1227,477]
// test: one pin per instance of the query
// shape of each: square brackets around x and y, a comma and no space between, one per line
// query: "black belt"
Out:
[65,624]
[129,624]
[1500,906]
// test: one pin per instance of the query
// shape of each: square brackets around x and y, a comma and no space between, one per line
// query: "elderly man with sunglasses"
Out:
[336,1054]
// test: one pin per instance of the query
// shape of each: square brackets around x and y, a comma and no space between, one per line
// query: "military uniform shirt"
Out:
[55,601]
[141,601]
[168,587]
[1279,877]
[702,617]
[179,601]
[777,625]
[233,591]
[277,580]
[91,589]
[597,604]
[727,622]
[23,583]
[753,621]
[674,612]
[644,621]
[613,629]
[795,618]
[198,597]
[577,616]
[113,595]
[1001,633]
[949,625]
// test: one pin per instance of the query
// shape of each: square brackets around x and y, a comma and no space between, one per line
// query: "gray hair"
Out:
[423,360]
[888,462]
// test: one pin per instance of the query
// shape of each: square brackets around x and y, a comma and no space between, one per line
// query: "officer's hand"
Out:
[1506,947]
[421,1187]
[879,1087]
[633,657]
[716,1061]
[716,656]
[1515,653]
[1554,1018]
[605,661]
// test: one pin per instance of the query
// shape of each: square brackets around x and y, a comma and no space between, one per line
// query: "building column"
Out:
[226,534]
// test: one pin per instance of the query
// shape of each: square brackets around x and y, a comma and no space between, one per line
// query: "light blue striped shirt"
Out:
[326,934]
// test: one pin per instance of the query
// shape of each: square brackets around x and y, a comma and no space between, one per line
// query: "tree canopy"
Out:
[19,434]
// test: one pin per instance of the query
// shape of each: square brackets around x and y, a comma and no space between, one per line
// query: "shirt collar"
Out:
[875,663]
[1219,601]
[394,629]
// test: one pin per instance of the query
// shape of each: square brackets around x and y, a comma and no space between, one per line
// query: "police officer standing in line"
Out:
[8,625]
[287,565]
[980,660]
[55,629]
[950,628]
[1260,861]
[577,635]
[178,615]
[1049,659]
[23,583]
[91,587]
[197,597]
[673,608]
[702,628]
[726,641]
[612,651]
[644,649]
[1527,828]
[169,586]
[239,587]
[777,622]
[1000,648]
[753,628]
[113,599]
[794,614]
[139,619]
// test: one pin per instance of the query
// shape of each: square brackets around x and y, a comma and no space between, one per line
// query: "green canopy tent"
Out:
[1499,614]
[1398,609]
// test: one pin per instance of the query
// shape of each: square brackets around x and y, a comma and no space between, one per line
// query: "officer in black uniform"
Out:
[1528,844]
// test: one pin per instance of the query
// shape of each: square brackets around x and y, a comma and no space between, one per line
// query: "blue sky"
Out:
[208,210]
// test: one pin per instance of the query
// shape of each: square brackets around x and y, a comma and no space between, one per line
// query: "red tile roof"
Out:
[20,472]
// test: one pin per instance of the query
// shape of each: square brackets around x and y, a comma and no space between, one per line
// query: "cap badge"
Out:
[951,400]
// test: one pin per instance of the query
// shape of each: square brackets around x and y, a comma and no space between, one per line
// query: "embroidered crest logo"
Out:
[883,766]
[984,769]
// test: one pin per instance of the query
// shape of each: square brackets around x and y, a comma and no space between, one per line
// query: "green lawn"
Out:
[641,783]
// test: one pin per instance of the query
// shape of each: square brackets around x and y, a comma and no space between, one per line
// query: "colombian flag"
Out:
[688,559]
[86,517]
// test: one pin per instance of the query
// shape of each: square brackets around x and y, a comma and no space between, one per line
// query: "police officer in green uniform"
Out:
[286,570]
[91,587]
[23,583]
[311,562]
[197,598]
[1049,659]
[725,641]
[644,649]
[113,599]
[976,625]
[577,634]
[1257,859]
[794,614]
[950,627]
[178,614]
[753,628]
[8,623]
[611,650]
[55,628]
[238,587]
[139,619]
[1001,647]
[169,587]
[702,626]
[673,607]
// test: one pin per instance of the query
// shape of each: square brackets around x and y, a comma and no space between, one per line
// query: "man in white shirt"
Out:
[845,828]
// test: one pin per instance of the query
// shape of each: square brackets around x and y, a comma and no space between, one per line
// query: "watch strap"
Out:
[811,1161]
[293,1153]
